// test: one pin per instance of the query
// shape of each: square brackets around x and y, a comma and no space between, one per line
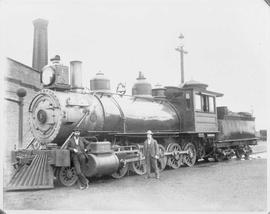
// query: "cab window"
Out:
[188,100]
[205,103]
[211,104]
[198,104]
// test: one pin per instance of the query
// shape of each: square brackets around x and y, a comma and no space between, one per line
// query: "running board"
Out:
[37,175]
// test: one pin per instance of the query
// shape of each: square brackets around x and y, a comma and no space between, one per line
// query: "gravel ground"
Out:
[227,186]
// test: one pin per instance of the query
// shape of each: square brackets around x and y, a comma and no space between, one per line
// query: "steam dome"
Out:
[100,82]
[141,87]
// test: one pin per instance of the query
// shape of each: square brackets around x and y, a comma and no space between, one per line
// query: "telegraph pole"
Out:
[181,50]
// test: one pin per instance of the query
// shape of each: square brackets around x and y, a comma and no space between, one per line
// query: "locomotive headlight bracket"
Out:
[48,75]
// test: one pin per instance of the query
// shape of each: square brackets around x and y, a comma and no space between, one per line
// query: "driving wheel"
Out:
[190,157]
[174,160]
[162,161]
[139,167]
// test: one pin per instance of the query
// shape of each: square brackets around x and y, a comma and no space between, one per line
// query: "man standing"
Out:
[151,152]
[77,146]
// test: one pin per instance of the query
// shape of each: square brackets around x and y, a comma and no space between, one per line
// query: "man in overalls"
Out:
[77,146]
[151,152]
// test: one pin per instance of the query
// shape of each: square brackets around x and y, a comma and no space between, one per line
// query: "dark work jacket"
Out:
[152,148]
[80,147]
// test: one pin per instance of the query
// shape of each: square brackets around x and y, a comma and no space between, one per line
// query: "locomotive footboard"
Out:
[37,169]
[34,168]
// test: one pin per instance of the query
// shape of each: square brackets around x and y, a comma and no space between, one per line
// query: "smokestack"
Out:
[40,49]
[76,74]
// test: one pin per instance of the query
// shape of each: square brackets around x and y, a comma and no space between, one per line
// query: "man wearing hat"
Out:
[77,146]
[151,152]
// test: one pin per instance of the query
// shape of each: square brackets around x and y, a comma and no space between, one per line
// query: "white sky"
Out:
[227,42]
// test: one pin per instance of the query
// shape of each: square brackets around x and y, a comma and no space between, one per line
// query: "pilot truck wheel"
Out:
[66,176]
[121,172]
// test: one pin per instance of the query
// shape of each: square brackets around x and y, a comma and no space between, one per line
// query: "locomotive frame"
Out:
[189,127]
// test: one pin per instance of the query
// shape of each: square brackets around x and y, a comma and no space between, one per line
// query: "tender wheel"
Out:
[247,156]
[66,176]
[218,157]
[206,159]
[174,160]
[247,152]
[239,153]
[139,167]
[121,172]
[162,161]
[190,158]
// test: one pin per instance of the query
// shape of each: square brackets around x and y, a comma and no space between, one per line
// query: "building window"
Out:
[188,101]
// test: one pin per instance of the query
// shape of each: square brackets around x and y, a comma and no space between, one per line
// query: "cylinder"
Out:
[102,164]
[76,74]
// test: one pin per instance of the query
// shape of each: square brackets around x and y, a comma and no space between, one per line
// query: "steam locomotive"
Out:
[185,121]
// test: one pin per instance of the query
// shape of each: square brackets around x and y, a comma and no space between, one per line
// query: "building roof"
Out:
[8,58]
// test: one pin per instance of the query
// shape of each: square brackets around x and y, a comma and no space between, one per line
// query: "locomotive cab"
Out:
[196,106]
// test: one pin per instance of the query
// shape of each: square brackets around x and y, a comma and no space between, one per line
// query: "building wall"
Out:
[17,76]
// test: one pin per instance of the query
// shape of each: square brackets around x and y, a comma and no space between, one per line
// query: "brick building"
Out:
[19,75]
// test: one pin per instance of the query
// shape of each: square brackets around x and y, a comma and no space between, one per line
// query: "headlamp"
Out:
[48,75]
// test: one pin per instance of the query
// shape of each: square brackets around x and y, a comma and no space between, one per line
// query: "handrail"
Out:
[121,113]
[64,144]
[79,123]
[30,143]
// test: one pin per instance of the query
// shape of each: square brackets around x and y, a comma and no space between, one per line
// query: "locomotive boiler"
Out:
[185,121]
[54,114]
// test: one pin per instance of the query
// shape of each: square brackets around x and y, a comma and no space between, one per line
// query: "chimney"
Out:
[76,74]
[40,49]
